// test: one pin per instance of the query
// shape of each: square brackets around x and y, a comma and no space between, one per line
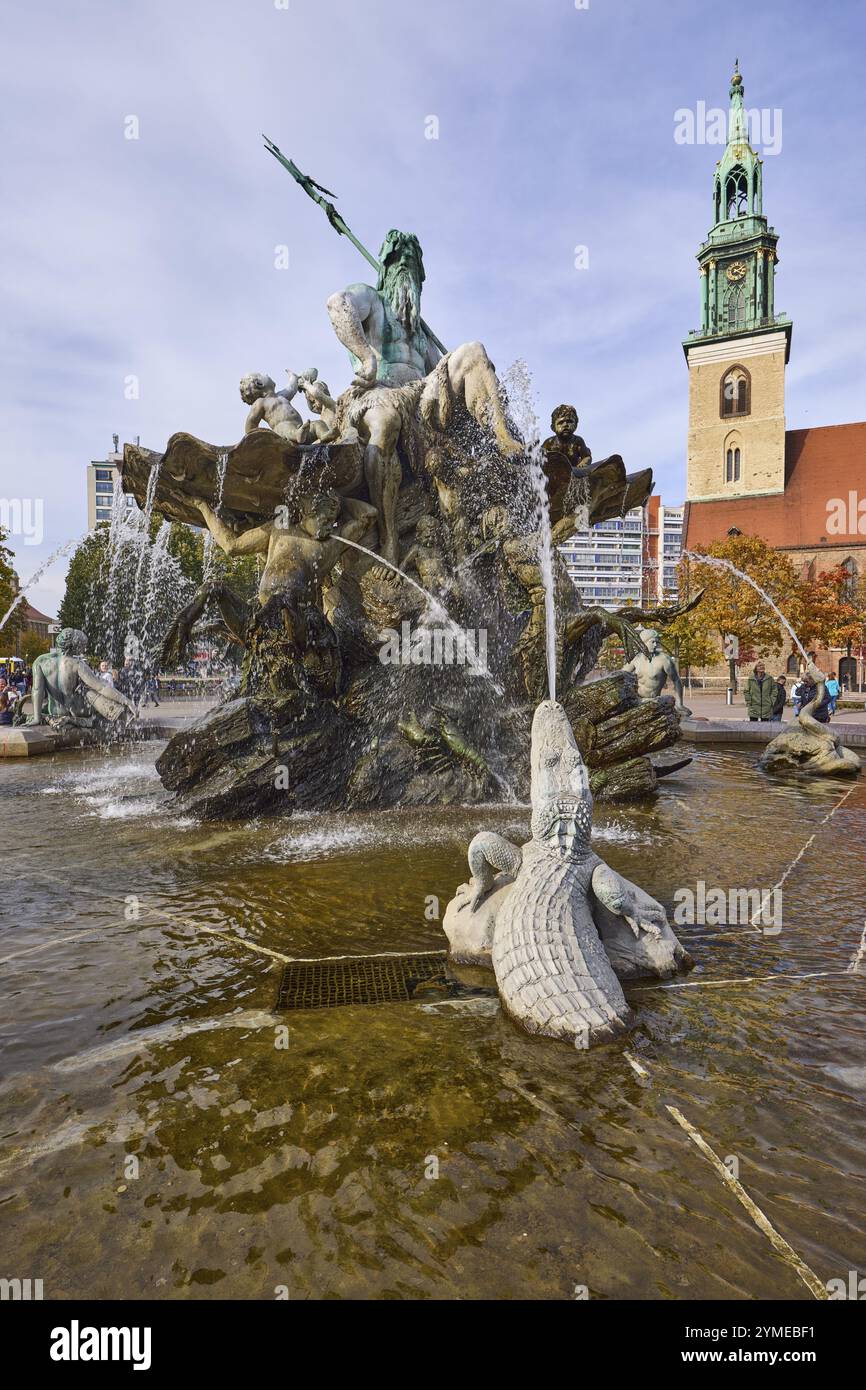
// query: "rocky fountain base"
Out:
[326,717]
[295,753]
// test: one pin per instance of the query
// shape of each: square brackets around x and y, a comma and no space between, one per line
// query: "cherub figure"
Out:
[271,407]
[325,430]
[594,491]
[426,558]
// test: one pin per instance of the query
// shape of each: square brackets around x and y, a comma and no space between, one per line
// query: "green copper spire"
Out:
[737,190]
[738,125]
[738,260]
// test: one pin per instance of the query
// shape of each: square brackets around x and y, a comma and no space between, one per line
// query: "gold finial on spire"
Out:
[736,80]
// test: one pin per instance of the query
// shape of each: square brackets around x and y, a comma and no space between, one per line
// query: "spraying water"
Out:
[222,465]
[440,613]
[717,563]
[34,579]
[519,388]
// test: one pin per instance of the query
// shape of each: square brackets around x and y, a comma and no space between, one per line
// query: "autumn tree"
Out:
[731,605]
[834,612]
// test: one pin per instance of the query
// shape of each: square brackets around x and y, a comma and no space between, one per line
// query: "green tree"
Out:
[113,592]
[8,591]
[83,580]
[32,645]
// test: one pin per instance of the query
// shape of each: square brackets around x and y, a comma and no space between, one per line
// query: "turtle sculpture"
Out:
[558,925]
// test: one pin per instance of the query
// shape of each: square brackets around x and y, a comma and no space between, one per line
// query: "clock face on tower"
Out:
[736,271]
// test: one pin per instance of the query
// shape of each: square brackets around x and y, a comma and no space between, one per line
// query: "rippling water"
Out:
[136,1024]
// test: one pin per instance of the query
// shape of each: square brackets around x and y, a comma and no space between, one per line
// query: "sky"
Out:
[142,277]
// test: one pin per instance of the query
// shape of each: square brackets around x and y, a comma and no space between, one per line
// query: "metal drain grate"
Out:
[331,984]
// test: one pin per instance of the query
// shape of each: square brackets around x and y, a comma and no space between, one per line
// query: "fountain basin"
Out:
[304,1165]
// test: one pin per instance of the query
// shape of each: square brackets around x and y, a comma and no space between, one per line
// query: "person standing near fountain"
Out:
[761,694]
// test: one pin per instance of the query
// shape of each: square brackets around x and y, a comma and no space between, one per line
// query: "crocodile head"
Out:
[561,799]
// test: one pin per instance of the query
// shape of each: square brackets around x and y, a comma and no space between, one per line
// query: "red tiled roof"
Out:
[32,615]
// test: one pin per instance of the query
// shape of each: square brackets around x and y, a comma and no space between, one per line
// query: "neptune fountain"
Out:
[413,503]
[415,630]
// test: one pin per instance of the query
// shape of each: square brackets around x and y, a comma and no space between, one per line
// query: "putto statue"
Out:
[268,406]
[604,488]
[67,693]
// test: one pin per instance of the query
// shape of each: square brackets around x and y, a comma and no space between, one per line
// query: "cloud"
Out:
[155,257]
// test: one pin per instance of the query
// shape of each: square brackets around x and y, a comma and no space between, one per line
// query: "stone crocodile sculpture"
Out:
[557,924]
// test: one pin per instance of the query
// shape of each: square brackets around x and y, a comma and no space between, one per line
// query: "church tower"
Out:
[737,358]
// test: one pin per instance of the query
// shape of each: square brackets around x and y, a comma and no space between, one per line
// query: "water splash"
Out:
[142,584]
[520,398]
[34,578]
[437,610]
[717,562]
[222,465]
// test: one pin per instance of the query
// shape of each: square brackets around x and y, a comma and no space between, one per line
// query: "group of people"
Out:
[137,682]
[766,696]
[12,689]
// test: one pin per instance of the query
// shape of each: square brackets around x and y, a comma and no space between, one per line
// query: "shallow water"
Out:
[136,1022]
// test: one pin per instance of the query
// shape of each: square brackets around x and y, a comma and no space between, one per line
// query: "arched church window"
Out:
[735,392]
[732,464]
[736,307]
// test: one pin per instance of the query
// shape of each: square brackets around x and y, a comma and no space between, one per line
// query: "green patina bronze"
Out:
[738,259]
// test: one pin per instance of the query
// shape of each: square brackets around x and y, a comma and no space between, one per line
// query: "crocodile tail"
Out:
[552,972]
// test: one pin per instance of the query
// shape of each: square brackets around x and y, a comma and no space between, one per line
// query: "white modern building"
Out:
[669,549]
[606,561]
[102,476]
[629,560]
